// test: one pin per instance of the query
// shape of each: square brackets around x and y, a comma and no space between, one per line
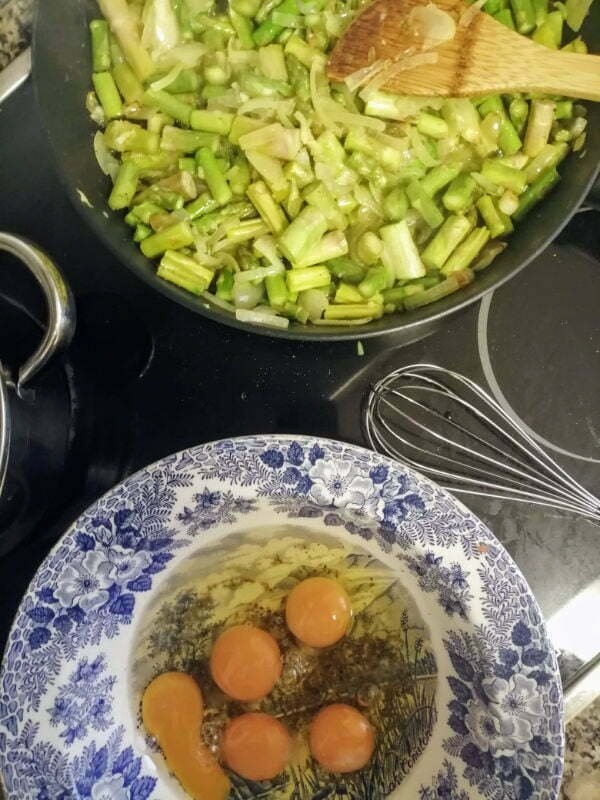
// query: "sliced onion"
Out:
[266,104]
[487,185]
[230,99]
[260,318]
[419,148]
[160,31]
[469,14]
[257,274]
[508,203]
[198,6]
[365,198]
[320,93]
[168,79]
[306,134]
[217,301]
[397,142]
[315,301]
[227,260]
[337,113]
[187,55]
[408,60]
[106,161]
[95,110]
[246,295]
[362,76]
[263,309]
[432,24]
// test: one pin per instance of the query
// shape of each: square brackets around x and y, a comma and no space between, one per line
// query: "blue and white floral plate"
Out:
[68,726]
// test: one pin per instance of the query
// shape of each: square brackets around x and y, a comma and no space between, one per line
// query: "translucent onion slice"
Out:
[419,148]
[261,318]
[431,24]
[186,55]
[336,113]
[106,161]
[168,79]
[213,300]
[469,14]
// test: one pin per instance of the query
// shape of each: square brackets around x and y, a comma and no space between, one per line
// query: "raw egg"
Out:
[341,739]
[245,663]
[318,612]
[256,746]
[172,711]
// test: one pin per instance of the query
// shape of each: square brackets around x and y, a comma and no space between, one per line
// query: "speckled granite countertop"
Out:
[15,28]
[582,763]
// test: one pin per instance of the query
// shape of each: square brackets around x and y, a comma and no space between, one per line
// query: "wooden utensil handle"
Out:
[560,72]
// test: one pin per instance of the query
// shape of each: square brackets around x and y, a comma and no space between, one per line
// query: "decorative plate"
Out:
[489,721]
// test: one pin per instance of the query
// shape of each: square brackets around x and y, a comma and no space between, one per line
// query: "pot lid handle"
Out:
[59,303]
[5,430]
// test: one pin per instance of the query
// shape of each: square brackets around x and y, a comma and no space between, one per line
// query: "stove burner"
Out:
[550,321]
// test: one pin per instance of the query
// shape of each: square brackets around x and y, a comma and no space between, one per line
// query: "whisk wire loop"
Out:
[446,426]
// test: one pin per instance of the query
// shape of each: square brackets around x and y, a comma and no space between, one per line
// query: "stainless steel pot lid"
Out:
[59,332]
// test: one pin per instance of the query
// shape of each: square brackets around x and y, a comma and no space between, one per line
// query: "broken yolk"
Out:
[245,663]
[172,711]
[318,612]
[256,746]
[341,739]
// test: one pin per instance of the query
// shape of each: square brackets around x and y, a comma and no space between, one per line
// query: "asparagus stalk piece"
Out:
[127,83]
[302,234]
[108,94]
[400,252]
[467,251]
[211,121]
[183,271]
[214,177]
[301,279]
[125,186]
[446,240]
[459,195]
[173,238]
[538,190]
[267,207]
[101,60]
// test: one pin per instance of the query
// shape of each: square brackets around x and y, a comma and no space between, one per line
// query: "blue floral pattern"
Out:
[84,701]
[444,786]
[450,583]
[62,730]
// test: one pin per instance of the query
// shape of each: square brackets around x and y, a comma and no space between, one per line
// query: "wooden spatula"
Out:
[484,57]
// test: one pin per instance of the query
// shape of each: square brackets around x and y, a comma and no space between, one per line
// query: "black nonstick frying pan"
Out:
[62,71]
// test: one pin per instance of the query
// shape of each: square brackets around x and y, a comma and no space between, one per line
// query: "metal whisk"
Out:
[447,427]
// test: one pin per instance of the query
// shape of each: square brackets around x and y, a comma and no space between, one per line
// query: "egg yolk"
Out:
[318,612]
[256,746]
[172,711]
[341,739]
[245,663]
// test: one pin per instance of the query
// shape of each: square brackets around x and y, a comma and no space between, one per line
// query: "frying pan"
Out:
[62,72]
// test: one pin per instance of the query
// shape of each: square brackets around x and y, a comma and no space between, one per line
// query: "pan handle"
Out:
[59,302]
[15,74]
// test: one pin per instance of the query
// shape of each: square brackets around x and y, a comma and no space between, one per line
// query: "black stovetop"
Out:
[166,378]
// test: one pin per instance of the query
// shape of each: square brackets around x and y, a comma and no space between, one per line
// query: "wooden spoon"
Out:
[484,57]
